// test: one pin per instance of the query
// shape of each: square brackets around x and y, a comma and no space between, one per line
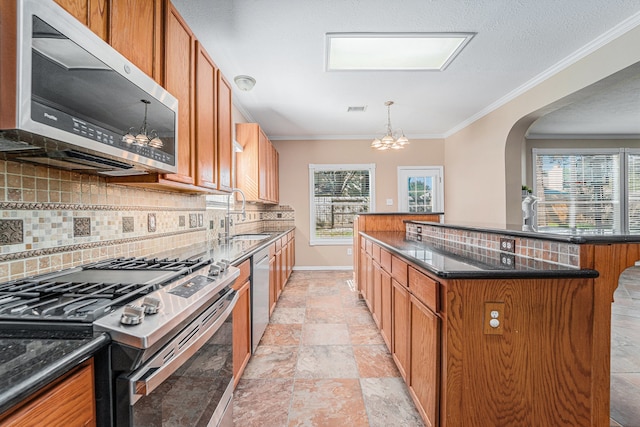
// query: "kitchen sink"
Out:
[256,236]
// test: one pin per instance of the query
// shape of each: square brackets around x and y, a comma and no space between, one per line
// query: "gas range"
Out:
[137,298]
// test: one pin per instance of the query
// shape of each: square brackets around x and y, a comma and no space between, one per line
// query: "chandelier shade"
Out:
[391,140]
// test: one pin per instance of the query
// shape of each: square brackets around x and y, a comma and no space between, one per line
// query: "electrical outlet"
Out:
[389,202]
[507,245]
[349,251]
[508,260]
[494,318]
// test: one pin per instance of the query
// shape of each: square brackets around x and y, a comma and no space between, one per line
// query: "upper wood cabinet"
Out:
[257,164]
[174,57]
[136,32]
[178,80]
[92,13]
[206,118]
[225,141]
[132,27]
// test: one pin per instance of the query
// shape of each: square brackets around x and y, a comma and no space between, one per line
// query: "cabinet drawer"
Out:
[368,245]
[245,272]
[376,253]
[385,260]
[399,270]
[425,289]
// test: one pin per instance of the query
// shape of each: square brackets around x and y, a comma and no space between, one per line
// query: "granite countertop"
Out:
[235,251]
[569,235]
[450,265]
[29,362]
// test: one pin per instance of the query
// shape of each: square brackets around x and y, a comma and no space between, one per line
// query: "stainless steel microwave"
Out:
[69,100]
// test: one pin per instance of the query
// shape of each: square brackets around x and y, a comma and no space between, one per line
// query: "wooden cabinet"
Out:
[273,279]
[133,28]
[178,80]
[386,328]
[404,304]
[281,262]
[136,30]
[401,327]
[257,165]
[242,322]
[206,120]
[225,141]
[204,146]
[69,401]
[424,371]
[92,13]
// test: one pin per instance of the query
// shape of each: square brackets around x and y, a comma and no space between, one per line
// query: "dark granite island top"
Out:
[30,361]
[449,264]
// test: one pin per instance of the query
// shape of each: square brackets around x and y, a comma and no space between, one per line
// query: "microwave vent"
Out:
[76,160]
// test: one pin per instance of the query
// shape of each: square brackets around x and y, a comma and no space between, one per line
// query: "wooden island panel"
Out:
[537,372]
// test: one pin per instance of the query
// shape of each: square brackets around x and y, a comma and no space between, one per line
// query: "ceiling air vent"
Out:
[358,109]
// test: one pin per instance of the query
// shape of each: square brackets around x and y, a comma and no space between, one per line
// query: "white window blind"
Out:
[337,194]
[579,190]
[633,191]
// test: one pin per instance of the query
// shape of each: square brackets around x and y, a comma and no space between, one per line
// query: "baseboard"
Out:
[322,267]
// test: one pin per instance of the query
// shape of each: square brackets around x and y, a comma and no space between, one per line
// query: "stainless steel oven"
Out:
[190,381]
[170,362]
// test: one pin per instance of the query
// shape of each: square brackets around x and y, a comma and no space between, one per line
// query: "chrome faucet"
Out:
[227,218]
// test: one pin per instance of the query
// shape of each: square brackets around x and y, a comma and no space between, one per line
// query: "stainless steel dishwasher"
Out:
[259,296]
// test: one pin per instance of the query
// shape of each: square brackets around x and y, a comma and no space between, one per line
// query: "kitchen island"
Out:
[495,326]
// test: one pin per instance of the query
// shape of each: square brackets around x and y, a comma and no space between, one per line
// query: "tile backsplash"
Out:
[52,219]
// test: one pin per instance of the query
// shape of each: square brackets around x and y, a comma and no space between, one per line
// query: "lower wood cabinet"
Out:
[401,321]
[424,372]
[68,402]
[242,322]
[386,289]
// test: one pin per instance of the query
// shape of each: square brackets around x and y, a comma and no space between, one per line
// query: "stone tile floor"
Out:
[625,351]
[322,361]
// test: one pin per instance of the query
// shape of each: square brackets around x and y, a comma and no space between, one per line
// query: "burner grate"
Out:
[147,264]
[83,301]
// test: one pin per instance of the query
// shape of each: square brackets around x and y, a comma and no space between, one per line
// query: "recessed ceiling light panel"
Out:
[393,51]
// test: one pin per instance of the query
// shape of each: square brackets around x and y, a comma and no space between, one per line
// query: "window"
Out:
[579,190]
[420,189]
[337,193]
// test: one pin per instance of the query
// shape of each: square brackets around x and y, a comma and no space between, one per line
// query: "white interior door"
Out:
[420,189]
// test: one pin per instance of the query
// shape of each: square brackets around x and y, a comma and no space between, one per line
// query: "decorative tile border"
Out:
[80,207]
[83,246]
[478,244]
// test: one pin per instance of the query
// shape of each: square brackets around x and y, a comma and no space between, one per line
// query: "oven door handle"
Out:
[149,376]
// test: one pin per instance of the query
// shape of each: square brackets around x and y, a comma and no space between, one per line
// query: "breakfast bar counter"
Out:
[490,325]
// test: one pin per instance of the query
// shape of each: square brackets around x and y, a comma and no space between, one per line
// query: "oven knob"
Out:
[223,264]
[214,270]
[132,314]
[151,305]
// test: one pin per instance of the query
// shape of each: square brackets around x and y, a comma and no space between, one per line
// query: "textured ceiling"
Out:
[281,43]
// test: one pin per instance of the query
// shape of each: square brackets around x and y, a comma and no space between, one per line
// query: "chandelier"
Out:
[390,140]
[143,137]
